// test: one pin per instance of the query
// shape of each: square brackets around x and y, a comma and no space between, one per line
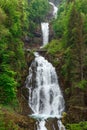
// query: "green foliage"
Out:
[67,91]
[7,88]
[37,13]
[11,125]
[79,126]
[59,25]
[13,26]
[68,64]
[82,84]
[38,10]
[71,27]
[53,47]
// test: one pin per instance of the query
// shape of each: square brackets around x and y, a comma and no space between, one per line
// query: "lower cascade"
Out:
[45,97]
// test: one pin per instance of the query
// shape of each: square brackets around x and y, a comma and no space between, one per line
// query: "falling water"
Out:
[45,97]
[45,26]
[41,125]
[55,9]
[45,32]
[60,125]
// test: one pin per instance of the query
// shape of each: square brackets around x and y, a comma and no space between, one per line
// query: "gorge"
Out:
[45,97]
[43,58]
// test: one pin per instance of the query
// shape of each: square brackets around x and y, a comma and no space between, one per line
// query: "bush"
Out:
[7,89]
[80,126]
[53,47]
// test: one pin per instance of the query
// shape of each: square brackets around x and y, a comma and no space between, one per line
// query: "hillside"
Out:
[21,36]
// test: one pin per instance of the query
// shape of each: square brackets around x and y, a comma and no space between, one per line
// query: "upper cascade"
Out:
[55,9]
[45,26]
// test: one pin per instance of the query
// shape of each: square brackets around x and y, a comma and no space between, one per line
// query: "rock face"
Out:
[36,40]
[23,92]
[52,124]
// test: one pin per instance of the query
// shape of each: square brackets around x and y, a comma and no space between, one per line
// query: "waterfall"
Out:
[55,9]
[41,125]
[45,32]
[45,26]
[61,126]
[45,97]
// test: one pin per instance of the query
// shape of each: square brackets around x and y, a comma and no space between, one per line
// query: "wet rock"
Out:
[23,94]
[52,124]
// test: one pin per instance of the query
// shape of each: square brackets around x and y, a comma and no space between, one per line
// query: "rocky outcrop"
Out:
[52,124]
[23,92]
[34,41]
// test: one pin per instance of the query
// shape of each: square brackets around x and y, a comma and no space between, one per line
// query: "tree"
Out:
[38,10]
[13,16]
